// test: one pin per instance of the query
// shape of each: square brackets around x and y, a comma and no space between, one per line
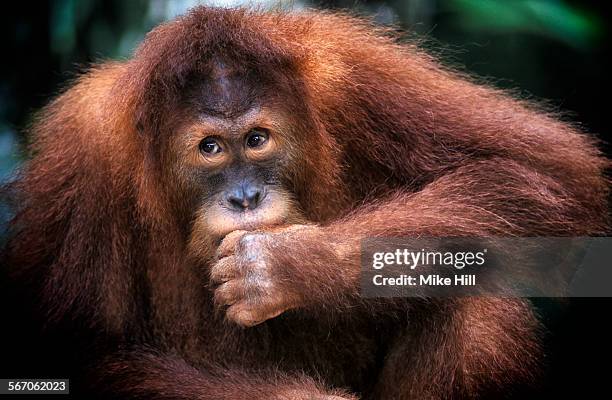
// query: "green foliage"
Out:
[555,19]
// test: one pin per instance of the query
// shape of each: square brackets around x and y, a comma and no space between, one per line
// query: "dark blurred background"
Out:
[553,50]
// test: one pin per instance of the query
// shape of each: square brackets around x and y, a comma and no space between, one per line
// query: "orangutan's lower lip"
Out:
[250,223]
[248,220]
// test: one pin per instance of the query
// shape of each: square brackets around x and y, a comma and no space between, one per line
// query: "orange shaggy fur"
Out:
[385,142]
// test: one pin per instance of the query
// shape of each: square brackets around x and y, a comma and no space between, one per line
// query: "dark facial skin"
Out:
[242,184]
[232,152]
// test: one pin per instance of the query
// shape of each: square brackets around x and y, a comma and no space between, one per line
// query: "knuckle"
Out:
[251,240]
[228,293]
[224,269]
[243,315]
[229,243]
